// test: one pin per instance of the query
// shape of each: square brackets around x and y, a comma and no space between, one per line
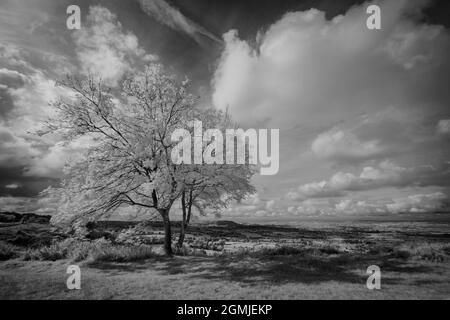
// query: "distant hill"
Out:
[14,217]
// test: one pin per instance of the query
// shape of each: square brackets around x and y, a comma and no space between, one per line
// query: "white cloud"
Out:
[14,149]
[416,203]
[173,18]
[388,132]
[19,146]
[50,163]
[307,70]
[104,48]
[443,127]
[420,203]
[340,145]
[386,175]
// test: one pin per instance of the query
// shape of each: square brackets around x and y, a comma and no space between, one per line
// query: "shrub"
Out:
[94,251]
[186,250]
[206,243]
[120,253]
[138,235]
[401,254]
[74,249]
[281,251]
[182,251]
[81,251]
[446,249]
[329,250]
[53,252]
[8,251]
[381,249]
[435,252]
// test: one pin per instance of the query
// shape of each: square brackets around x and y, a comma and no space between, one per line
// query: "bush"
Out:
[329,250]
[435,252]
[282,251]
[81,251]
[74,249]
[53,252]
[401,254]
[446,249]
[182,251]
[186,250]
[121,253]
[206,244]
[94,251]
[381,249]
[8,251]
[138,235]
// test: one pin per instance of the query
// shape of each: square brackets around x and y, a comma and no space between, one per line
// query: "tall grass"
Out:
[121,253]
[8,251]
[92,251]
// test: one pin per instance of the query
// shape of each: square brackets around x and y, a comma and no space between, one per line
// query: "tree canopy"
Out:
[127,159]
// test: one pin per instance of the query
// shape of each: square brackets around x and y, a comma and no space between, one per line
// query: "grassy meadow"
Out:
[228,260]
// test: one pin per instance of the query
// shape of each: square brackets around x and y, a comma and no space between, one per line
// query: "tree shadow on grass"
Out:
[256,268]
[115,268]
[287,269]
[251,269]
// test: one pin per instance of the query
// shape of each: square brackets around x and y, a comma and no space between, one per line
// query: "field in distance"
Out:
[311,259]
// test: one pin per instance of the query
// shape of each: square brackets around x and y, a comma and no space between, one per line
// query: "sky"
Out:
[363,114]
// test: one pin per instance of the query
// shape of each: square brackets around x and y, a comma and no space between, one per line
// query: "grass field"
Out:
[250,262]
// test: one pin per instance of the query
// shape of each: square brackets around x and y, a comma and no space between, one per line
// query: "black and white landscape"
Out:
[115,165]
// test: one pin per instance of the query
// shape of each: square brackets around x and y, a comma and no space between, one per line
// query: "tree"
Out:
[203,195]
[211,187]
[127,134]
[128,157]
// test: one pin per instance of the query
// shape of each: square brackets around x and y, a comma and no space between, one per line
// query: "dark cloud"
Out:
[14,183]
[6,102]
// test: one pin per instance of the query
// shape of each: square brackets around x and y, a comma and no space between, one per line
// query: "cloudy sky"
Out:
[364,115]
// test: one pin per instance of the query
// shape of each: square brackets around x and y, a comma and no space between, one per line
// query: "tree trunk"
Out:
[189,208]
[186,217]
[167,233]
[183,222]
[182,234]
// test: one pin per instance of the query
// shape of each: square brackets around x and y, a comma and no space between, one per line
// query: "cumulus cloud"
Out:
[50,163]
[433,202]
[416,203]
[104,48]
[385,134]
[371,136]
[255,206]
[341,145]
[443,127]
[310,70]
[11,78]
[19,147]
[14,149]
[311,207]
[386,174]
